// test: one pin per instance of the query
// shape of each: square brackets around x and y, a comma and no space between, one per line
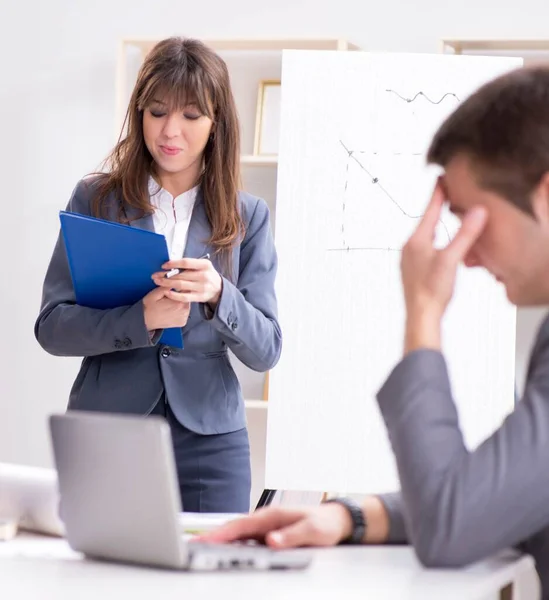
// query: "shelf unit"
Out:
[256,404]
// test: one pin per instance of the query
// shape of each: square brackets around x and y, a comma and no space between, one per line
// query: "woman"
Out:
[176,172]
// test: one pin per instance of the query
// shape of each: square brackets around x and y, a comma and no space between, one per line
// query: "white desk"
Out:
[46,568]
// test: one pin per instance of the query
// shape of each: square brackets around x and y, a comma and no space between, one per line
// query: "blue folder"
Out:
[111,264]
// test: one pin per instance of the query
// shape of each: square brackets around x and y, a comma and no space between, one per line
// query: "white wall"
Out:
[57,107]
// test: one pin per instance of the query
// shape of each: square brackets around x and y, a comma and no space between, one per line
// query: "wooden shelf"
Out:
[259,161]
[259,44]
[459,46]
[256,404]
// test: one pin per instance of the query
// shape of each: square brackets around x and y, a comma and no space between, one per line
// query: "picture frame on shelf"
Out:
[267,124]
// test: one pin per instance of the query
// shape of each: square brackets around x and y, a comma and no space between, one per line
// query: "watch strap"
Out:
[357,517]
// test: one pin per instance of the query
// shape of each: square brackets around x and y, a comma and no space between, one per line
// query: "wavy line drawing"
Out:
[424,95]
[351,155]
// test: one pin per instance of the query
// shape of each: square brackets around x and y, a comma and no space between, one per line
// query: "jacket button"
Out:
[165,352]
[234,325]
[127,342]
[117,344]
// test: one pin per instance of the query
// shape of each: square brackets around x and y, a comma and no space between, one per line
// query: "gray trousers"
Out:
[214,471]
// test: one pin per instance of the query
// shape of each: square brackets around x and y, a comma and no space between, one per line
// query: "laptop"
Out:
[120,501]
[29,497]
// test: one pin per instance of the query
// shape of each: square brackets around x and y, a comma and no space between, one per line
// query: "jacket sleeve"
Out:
[246,314]
[395,509]
[64,328]
[461,505]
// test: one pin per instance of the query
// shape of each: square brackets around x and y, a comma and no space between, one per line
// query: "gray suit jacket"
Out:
[124,371]
[456,506]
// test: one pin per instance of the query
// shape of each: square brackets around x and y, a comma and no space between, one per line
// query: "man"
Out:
[456,506]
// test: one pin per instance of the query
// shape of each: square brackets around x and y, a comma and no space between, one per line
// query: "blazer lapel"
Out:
[199,231]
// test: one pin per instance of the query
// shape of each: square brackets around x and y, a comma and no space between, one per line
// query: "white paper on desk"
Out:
[351,187]
[37,546]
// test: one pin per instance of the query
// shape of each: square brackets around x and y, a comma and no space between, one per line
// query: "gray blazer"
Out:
[124,371]
[456,506]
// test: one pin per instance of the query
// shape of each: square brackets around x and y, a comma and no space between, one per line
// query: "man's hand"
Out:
[428,274]
[324,525]
[198,282]
[278,527]
[161,312]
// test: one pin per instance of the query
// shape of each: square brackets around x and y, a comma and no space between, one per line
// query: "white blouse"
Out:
[172,216]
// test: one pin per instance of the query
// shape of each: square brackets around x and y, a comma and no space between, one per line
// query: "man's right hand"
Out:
[324,525]
[161,312]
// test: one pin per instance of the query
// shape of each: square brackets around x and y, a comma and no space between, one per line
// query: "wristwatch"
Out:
[357,518]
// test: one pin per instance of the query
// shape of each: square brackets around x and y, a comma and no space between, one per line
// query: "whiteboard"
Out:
[352,184]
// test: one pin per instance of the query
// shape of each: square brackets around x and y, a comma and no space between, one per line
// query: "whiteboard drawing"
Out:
[360,201]
[352,184]
[422,95]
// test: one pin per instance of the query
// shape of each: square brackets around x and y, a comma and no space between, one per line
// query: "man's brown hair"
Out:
[503,128]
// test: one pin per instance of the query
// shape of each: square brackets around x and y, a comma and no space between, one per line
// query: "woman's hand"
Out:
[161,312]
[198,281]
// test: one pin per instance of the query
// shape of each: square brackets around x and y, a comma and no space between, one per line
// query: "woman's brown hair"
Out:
[181,71]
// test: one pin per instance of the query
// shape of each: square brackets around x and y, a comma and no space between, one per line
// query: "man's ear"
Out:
[540,201]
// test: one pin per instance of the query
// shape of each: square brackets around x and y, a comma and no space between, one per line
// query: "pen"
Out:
[173,272]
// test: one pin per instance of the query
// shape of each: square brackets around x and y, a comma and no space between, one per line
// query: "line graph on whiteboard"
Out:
[384,192]
[421,94]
